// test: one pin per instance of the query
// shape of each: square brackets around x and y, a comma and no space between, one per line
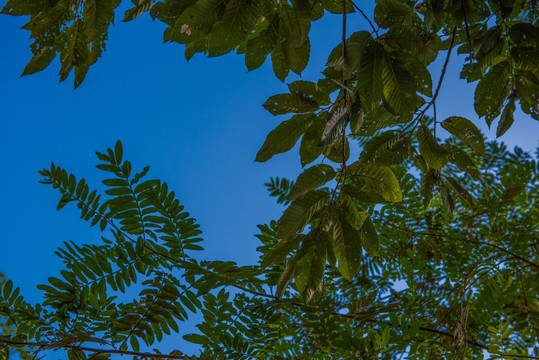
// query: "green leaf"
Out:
[346,246]
[287,103]
[278,60]
[491,92]
[195,339]
[310,149]
[311,179]
[507,118]
[310,268]
[232,28]
[428,180]
[399,86]
[288,274]
[302,11]
[377,178]
[39,61]
[432,152]
[6,290]
[134,12]
[370,240]
[335,126]
[511,191]
[389,12]
[284,136]
[463,161]
[486,41]
[280,251]
[446,198]
[465,130]
[370,75]
[461,191]
[300,213]
[377,144]
[310,90]
[260,46]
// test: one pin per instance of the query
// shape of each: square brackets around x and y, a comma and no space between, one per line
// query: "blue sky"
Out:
[197,124]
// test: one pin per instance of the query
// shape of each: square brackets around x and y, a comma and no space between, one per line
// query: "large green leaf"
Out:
[507,118]
[399,86]
[310,90]
[460,190]
[300,212]
[284,136]
[238,21]
[260,46]
[389,12]
[288,274]
[370,75]
[379,179]
[280,251]
[463,161]
[310,148]
[287,103]
[433,153]
[310,267]
[311,179]
[467,132]
[491,92]
[346,245]
[370,240]
[302,12]
[335,126]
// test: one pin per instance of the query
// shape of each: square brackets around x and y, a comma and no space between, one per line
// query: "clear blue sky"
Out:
[197,124]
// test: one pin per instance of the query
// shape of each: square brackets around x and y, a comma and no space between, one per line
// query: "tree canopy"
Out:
[419,247]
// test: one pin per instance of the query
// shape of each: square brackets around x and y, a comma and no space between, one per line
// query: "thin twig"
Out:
[52,345]
[467,31]
[444,69]
[365,16]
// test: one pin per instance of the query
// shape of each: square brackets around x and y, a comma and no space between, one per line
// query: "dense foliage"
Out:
[418,248]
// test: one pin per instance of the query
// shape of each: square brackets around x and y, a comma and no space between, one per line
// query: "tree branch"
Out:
[51,345]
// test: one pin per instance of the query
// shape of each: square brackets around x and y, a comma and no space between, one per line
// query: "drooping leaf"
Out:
[370,240]
[335,126]
[399,86]
[428,180]
[492,91]
[346,246]
[432,152]
[507,118]
[302,12]
[466,131]
[288,274]
[310,149]
[447,199]
[460,190]
[370,75]
[310,268]
[260,46]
